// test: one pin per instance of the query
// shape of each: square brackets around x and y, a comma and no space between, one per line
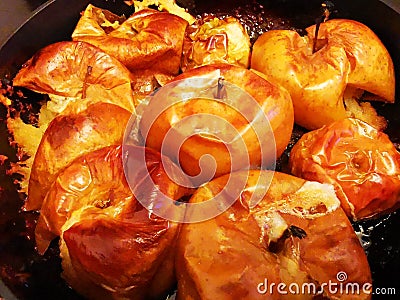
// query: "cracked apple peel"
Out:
[360,161]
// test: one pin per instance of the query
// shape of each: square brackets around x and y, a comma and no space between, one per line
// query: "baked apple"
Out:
[111,246]
[69,136]
[148,39]
[215,40]
[294,236]
[219,110]
[359,161]
[73,71]
[349,57]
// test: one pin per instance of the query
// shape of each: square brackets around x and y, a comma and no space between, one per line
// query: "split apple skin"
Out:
[360,161]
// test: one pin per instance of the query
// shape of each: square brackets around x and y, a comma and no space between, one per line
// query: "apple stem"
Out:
[297,232]
[291,231]
[221,91]
[327,9]
[88,73]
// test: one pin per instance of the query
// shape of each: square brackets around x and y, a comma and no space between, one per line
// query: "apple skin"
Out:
[69,136]
[73,71]
[371,67]
[228,256]
[95,178]
[148,40]
[107,258]
[361,162]
[351,56]
[111,245]
[275,104]
[214,40]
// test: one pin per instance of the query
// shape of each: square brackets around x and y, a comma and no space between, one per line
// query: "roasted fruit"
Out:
[215,40]
[349,56]
[74,71]
[69,136]
[112,246]
[281,231]
[240,110]
[359,161]
[148,40]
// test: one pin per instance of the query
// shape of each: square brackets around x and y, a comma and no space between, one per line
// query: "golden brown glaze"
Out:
[361,162]
[76,71]
[69,136]
[227,257]
[350,55]
[148,39]
[213,40]
[94,179]
[111,246]
[273,101]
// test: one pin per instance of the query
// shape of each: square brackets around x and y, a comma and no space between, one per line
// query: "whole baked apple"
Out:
[72,71]
[241,120]
[112,246]
[296,235]
[148,39]
[359,161]
[69,136]
[215,40]
[325,84]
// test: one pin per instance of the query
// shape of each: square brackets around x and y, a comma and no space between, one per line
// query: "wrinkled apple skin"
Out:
[69,136]
[71,71]
[111,245]
[148,40]
[360,161]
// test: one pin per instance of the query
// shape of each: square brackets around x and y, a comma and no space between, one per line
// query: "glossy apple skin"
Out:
[228,256]
[131,258]
[274,102]
[361,162]
[69,136]
[148,40]
[371,67]
[111,245]
[75,71]
[95,178]
[214,40]
[352,56]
